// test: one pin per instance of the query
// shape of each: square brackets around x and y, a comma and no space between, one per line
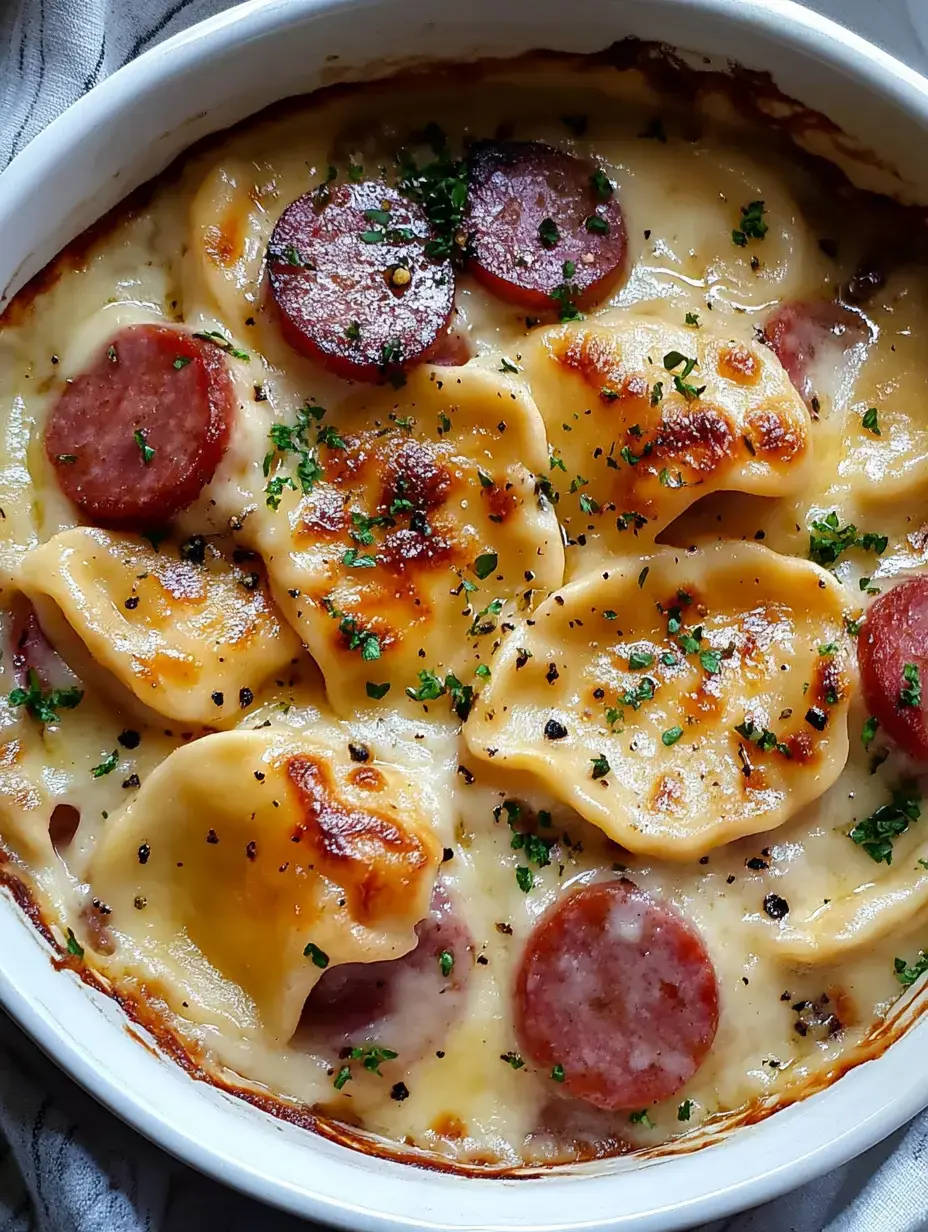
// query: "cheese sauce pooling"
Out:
[232,770]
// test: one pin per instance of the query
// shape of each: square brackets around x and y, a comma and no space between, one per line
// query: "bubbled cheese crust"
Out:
[426,516]
[245,848]
[184,639]
[631,449]
[625,691]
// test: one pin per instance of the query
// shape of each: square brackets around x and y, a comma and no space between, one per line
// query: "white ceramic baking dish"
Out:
[127,130]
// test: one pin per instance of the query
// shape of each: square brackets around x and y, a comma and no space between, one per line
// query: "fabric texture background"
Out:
[66,1165]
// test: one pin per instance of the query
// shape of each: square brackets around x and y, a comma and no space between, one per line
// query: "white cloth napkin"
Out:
[66,1165]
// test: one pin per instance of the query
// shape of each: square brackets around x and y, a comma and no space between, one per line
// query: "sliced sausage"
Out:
[407,1004]
[31,651]
[353,283]
[532,208]
[894,636]
[812,339]
[136,436]
[616,988]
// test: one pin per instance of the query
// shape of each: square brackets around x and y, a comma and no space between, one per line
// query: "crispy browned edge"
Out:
[757,99]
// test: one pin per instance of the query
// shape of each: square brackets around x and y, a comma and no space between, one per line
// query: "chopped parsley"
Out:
[432,687]
[763,737]
[319,957]
[692,318]
[354,560]
[671,736]
[440,187]
[182,361]
[875,834]
[685,1110]
[641,1118]
[329,436]
[869,731]
[505,365]
[828,540]
[910,694]
[294,439]
[107,765]
[482,626]
[597,225]
[565,296]
[446,962]
[44,704]
[377,691]
[147,452]
[642,692]
[548,233]
[557,1073]
[525,878]
[514,1059]
[602,186]
[657,392]
[372,1056]
[907,975]
[74,946]
[600,766]
[343,1076]
[358,637]
[870,421]
[485,564]
[363,525]
[672,360]
[639,658]
[752,226]
[224,343]
[711,661]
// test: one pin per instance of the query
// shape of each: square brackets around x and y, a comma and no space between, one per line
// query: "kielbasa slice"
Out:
[136,436]
[353,284]
[616,988]
[407,1004]
[894,637]
[812,339]
[532,208]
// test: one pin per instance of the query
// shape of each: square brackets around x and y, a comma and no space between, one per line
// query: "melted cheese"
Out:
[193,255]
[640,696]
[632,447]
[191,641]
[248,848]
[422,539]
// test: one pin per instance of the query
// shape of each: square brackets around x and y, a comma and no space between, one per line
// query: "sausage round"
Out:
[531,209]
[811,339]
[353,284]
[136,436]
[616,989]
[407,1003]
[895,637]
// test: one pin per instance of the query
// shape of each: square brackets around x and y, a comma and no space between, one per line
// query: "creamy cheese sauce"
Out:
[800,986]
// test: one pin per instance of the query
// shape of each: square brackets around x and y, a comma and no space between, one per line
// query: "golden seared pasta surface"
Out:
[464,612]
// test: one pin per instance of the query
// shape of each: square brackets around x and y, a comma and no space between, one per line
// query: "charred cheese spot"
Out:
[738,363]
[298,855]
[442,526]
[651,442]
[378,862]
[171,633]
[696,737]
[700,440]
[323,514]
